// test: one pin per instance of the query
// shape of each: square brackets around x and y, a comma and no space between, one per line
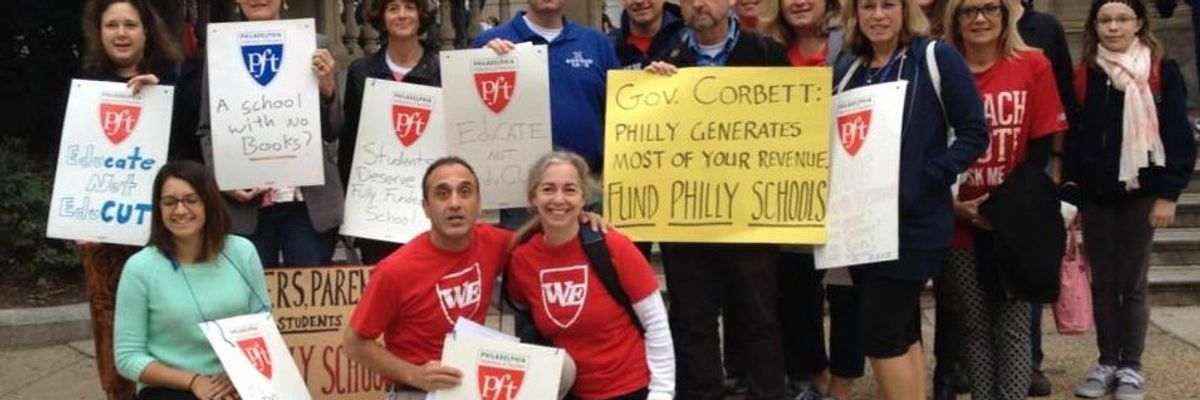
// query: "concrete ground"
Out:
[1172,362]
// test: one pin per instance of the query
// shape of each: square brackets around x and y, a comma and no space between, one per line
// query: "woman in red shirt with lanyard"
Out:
[1022,108]
[550,273]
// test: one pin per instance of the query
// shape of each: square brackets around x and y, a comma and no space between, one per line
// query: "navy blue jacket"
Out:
[927,166]
[1092,153]
[669,33]
[579,58]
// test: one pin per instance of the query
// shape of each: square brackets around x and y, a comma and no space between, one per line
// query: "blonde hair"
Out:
[587,185]
[777,27]
[914,25]
[1010,38]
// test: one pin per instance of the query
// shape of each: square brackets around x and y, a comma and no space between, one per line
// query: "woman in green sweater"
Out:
[193,271]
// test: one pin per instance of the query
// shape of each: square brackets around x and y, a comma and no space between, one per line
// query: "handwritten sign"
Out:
[496,369]
[264,105]
[255,358]
[312,307]
[401,134]
[730,155]
[501,118]
[865,191]
[113,144]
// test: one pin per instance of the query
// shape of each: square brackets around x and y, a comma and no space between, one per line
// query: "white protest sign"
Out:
[113,144]
[255,357]
[400,134]
[864,191]
[501,370]
[501,118]
[263,104]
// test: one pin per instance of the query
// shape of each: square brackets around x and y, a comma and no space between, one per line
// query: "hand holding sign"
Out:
[433,376]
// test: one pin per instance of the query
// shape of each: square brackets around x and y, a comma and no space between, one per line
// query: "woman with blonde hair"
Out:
[1021,105]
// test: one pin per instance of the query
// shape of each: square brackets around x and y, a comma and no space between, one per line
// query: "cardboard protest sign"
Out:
[312,308]
[400,134]
[501,370]
[255,357]
[113,144]
[501,118]
[727,155]
[263,104]
[865,190]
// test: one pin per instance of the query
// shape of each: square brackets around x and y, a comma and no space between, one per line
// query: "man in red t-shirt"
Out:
[416,294]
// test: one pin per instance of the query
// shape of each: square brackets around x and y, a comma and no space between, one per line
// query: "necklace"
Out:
[883,71]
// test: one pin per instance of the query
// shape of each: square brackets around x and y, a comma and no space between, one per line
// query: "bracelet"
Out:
[193,381]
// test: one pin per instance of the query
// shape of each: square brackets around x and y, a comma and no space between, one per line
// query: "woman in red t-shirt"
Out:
[550,274]
[1022,108]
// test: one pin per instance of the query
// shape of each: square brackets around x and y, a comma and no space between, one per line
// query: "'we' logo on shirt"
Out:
[564,291]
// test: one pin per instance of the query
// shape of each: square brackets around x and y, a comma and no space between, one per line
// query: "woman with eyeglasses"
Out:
[1022,108]
[1126,167]
[193,271]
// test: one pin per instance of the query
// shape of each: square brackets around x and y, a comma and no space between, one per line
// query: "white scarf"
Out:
[1141,145]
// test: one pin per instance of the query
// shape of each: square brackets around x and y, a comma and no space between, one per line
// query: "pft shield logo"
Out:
[262,54]
[409,123]
[496,383]
[118,120]
[495,81]
[564,292]
[255,350]
[852,130]
[460,293]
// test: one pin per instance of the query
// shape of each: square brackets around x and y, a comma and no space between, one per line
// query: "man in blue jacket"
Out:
[648,28]
[579,59]
[1166,8]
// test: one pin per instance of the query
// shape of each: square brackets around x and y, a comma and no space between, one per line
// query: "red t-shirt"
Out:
[816,60]
[572,309]
[1020,103]
[642,43]
[416,294]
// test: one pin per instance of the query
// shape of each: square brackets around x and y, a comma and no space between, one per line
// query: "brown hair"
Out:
[1146,34]
[587,184]
[914,25]
[937,16]
[217,222]
[777,27]
[1010,38]
[375,9]
[160,52]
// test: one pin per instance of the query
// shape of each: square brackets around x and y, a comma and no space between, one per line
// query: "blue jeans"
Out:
[285,227]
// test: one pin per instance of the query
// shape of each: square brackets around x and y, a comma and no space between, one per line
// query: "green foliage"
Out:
[25,252]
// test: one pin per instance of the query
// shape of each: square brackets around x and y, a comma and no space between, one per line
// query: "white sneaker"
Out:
[1100,381]
[1130,385]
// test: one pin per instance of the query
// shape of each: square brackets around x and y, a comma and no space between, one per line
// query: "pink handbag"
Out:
[1073,310]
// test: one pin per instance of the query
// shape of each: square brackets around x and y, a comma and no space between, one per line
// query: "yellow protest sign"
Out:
[312,308]
[719,155]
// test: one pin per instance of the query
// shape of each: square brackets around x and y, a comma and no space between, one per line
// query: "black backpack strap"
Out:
[525,331]
[601,262]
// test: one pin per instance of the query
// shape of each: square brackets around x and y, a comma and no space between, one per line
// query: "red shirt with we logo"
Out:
[571,308]
[415,295]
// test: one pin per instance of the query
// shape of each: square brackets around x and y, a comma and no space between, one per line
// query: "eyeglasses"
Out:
[968,13]
[190,201]
[1121,21]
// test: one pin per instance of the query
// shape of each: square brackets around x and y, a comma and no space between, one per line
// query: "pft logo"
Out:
[497,383]
[118,120]
[460,293]
[852,130]
[564,292]
[255,350]
[409,123]
[262,54]
[496,88]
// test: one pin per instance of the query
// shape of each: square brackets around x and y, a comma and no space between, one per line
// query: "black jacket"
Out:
[1092,153]
[1022,257]
[751,50]
[427,72]
[1043,31]
[669,33]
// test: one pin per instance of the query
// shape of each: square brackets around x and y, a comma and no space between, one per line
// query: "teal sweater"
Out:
[157,318]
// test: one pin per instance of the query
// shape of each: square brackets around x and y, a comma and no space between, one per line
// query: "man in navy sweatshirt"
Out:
[648,27]
[579,59]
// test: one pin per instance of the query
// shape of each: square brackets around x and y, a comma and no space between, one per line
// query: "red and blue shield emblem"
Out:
[262,61]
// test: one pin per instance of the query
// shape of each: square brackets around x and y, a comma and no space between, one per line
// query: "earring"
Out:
[285,5]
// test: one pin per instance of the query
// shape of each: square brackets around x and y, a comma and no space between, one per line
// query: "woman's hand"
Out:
[325,67]
[135,83]
[1162,214]
[661,68]
[217,387]
[244,195]
[595,221]
[969,210]
[501,46]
